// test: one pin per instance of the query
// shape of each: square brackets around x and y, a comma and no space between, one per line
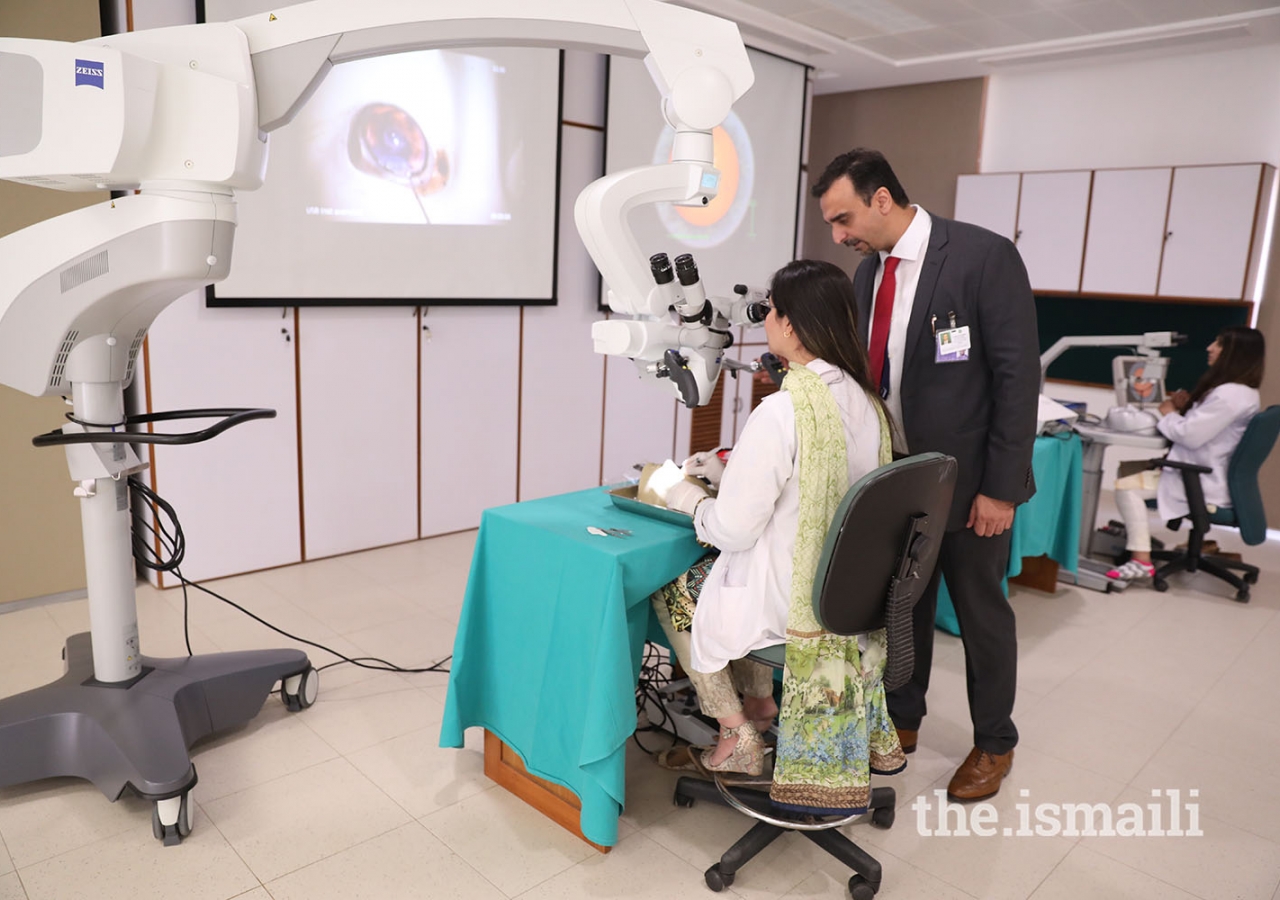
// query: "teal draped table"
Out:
[550,642]
[1046,525]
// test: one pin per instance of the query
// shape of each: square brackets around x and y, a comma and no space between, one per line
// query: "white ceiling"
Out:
[855,44]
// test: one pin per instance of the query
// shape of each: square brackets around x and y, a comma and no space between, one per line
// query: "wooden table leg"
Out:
[1039,572]
[503,765]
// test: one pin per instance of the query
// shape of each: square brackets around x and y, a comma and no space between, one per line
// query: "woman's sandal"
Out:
[747,756]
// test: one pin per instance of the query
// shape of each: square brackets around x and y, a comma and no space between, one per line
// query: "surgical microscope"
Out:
[175,121]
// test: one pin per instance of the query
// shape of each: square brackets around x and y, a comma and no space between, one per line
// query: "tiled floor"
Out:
[1120,695]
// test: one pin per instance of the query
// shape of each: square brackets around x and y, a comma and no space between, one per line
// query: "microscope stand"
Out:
[136,734]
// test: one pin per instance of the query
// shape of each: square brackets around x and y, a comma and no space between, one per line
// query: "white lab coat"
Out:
[1206,436]
[753,521]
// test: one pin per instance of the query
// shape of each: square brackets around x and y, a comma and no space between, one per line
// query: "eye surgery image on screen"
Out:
[749,229]
[425,176]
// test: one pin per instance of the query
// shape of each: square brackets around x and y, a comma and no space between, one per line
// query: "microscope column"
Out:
[108,547]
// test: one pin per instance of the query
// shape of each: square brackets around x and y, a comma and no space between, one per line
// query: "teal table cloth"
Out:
[551,637]
[1046,525]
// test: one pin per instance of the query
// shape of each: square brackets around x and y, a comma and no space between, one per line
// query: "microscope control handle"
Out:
[678,371]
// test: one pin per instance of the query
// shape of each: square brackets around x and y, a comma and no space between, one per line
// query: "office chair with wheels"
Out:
[879,555]
[1245,513]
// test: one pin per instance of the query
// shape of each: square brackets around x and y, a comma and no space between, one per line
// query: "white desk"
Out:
[1097,438]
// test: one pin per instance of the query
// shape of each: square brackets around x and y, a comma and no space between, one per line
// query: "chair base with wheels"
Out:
[863,885]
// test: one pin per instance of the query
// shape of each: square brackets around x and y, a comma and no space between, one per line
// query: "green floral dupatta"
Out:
[834,725]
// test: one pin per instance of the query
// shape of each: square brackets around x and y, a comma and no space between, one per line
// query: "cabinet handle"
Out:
[1017,235]
[287,336]
[1167,235]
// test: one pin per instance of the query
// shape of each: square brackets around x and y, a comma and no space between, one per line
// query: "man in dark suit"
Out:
[951,329]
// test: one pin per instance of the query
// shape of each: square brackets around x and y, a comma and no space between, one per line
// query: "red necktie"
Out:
[883,315]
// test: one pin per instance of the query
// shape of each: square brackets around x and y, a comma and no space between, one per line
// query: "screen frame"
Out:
[602,305]
[213,301]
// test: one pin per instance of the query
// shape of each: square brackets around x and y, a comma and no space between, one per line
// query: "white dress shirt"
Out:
[1206,436]
[910,251]
[753,521]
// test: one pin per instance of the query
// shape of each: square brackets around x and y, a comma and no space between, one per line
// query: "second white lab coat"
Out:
[1206,436]
[753,521]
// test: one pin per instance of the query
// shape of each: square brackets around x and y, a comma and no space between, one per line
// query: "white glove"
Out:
[707,464]
[683,496]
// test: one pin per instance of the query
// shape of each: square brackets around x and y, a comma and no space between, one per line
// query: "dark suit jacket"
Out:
[982,412]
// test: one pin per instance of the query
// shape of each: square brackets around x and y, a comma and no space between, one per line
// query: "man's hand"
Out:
[989,516]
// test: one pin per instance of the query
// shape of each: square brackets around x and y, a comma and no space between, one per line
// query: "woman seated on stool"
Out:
[1204,427]
[736,602]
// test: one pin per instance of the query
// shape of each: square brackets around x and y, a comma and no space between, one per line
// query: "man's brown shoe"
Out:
[980,775]
[907,738]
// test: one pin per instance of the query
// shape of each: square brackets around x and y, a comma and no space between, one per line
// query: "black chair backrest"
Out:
[1242,474]
[901,507]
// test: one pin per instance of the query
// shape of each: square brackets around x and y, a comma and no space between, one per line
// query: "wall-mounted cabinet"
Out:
[1185,232]
[1126,231]
[1053,210]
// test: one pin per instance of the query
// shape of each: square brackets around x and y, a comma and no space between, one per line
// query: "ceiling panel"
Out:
[1102,16]
[877,43]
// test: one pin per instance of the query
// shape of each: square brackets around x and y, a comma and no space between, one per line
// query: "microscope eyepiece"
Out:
[686,269]
[757,312]
[660,266]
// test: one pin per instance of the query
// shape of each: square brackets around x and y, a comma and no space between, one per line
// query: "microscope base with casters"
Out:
[137,734]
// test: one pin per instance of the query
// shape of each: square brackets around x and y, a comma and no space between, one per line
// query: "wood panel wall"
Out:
[41,551]
[930,133]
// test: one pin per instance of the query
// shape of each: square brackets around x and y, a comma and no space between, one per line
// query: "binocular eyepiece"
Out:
[758,311]
[660,266]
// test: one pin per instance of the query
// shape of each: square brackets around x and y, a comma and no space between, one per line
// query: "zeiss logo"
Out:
[89,72]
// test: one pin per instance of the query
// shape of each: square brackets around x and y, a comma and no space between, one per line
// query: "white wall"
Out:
[1206,108]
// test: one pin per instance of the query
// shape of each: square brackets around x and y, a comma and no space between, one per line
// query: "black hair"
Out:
[1242,355]
[868,170]
[817,299]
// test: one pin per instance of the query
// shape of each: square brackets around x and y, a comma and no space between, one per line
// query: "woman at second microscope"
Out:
[1204,428]
[784,468]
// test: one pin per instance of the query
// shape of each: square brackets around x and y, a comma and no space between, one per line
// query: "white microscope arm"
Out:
[1146,344]
[182,113]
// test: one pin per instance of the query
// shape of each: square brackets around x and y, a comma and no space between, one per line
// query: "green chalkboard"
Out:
[1060,316]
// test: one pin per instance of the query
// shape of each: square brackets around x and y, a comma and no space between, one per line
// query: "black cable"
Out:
[175,545]
[649,692]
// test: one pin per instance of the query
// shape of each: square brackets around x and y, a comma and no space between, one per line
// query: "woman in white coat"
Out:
[1204,428]
[741,596]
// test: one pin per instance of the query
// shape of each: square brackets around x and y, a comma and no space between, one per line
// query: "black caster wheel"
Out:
[683,802]
[861,889]
[717,880]
[299,691]
[882,817]
[1250,577]
[1242,595]
[1160,585]
[172,834]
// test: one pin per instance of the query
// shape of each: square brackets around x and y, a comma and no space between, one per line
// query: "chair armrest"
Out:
[1183,466]
[1199,511]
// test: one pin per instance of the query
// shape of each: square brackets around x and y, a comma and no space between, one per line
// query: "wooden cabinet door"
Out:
[1126,231]
[1208,239]
[237,495]
[359,369]
[1052,213]
[990,201]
